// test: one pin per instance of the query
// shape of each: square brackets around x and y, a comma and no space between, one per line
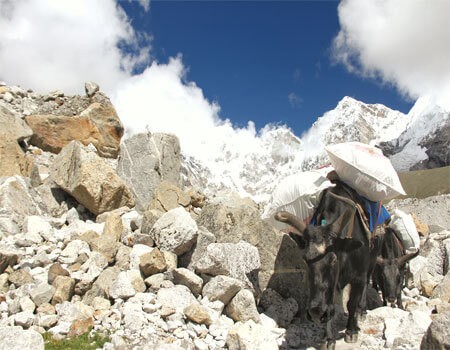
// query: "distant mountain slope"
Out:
[419,139]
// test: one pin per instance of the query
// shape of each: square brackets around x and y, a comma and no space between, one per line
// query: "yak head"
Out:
[322,248]
[392,275]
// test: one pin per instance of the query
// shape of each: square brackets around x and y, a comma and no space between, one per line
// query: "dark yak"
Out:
[389,272]
[337,253]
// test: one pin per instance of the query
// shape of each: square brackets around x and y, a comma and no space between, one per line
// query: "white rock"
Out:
[122,287]
[70,254]
[175,231]
[135,255]
[24,319]
[178,297]
[15,338]
[250,336]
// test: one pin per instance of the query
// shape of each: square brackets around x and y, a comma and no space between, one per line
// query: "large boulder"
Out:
[438,334]
[175,231]
[13,130]
[17,201]
[146,160]
[16,338]
[282,267]
[98,124]
[237,260]
[90,179]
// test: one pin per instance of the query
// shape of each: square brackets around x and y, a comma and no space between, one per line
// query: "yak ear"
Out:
[299,239]
[347,244]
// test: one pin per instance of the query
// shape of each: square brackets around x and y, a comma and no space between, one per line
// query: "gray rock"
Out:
[237,260]
[147,159]
[175,231]
[13,125]
[24,319]
[281,310]
[198,251]
[17,201]
[282,267]
[94,184]
[437,336]
[91,88]
[243,307]
[222,288]
[15,338]
[178,297]
[42,294]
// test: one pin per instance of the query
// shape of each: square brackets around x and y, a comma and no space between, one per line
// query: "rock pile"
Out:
[89,242]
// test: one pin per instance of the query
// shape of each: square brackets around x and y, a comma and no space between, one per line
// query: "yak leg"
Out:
[356,293]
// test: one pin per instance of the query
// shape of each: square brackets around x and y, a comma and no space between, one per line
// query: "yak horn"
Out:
[288,218]
[405,258]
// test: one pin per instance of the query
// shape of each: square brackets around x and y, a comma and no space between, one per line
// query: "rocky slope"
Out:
[84,248]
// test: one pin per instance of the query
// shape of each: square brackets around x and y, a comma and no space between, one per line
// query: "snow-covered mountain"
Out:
[255,169]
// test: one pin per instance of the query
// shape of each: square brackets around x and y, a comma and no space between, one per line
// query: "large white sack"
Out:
[298,194]
[366,170]
[404,225]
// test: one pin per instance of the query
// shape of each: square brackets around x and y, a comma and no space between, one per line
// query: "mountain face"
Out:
[419,139]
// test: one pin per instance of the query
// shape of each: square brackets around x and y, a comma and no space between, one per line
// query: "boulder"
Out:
[20,277]
[178,297]
[237,260]
[7,258]
[281,310]
[222,288]
[64,289]
[42,294]
[198,251]
[17,201]
[152,263]
[89,179]
[437,336]
[243,307]
[282,267]
[175,231]
[16,338]
[198,314]
[250,336]
[189,279]
[12,131]
[146,160]
[98,125]
[167,196]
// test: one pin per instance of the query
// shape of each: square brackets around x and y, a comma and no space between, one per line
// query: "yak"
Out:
[389,272]
[337,252]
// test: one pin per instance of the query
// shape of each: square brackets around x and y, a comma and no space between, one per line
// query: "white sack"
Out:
[404,225]
[298,194]
[366,170]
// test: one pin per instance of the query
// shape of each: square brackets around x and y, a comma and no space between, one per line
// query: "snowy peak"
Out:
[425,142]
[255,168]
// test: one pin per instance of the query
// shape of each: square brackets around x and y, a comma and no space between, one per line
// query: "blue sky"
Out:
[265,61]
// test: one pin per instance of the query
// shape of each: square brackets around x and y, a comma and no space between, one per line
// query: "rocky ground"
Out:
[100,238]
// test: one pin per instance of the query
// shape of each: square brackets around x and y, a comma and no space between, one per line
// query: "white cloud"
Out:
[403,42]
[49,44]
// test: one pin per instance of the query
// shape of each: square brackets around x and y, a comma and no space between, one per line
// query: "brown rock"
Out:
[167,196]
[7,260]
[113,226]
[80,327]
[98,125]
[52,133]
[64,289]
[55,271]
[153,262]
[198,314]
[20,277]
